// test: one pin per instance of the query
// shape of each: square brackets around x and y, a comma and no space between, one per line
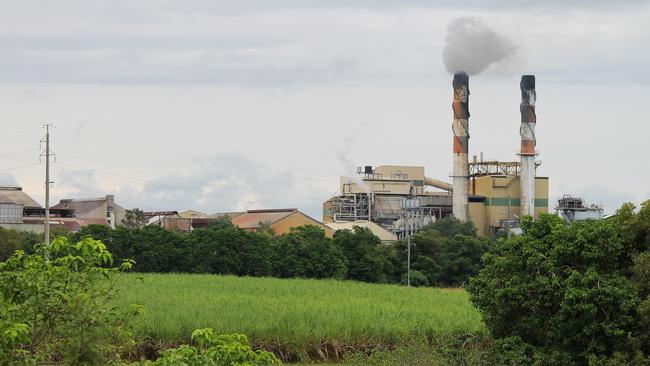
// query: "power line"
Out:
[213,162]
[18,153]
[183,189]
[19,167]
[195,181]
[20,132]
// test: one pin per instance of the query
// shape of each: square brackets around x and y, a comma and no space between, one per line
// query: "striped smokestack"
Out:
[460,129]
[528,142]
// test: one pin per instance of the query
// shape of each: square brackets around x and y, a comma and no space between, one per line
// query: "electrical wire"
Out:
[19,167]
[20,132]
[18,153]
[192,180]
[164,185]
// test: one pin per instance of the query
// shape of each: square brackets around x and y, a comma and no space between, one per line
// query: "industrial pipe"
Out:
[460,129]
[438,184]
[528,143]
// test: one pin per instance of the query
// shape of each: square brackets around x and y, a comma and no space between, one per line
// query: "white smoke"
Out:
[348,165]
[472,46]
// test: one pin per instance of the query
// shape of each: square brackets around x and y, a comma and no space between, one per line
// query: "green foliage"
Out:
[230,250]
[12,240]
[299,319]
[366,261]
[54,305]
[133,219]
[635,227]
[447,252]
[210,349]
[221,222]
[560,289]
[306,252]
[418,279]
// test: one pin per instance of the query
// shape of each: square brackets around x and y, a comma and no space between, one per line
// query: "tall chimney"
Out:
[460,129]
[528,142]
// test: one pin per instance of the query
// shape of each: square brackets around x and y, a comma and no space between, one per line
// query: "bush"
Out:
[54,306]
[211,349]
[306,252]
[559,289]
[365,259]
[230,250]
[448,252]
[418,279]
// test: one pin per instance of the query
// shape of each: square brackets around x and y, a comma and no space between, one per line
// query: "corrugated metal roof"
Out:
[383,234]
[16,196]
[252,218]
[80,206]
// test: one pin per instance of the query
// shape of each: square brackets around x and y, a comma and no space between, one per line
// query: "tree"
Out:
[559,289]
[230,250]
[447,252]
[364,258]
[134,219]
[306,252]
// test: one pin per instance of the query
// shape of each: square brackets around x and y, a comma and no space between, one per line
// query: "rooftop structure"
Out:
[280,220]
[384,235]
[574,209]
[95,208]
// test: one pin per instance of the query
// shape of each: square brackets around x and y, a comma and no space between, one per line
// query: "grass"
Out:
[298,319]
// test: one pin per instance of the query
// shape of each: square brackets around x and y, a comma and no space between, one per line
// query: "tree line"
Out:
[446,253]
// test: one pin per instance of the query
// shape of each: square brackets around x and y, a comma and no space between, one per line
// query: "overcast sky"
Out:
[232,105]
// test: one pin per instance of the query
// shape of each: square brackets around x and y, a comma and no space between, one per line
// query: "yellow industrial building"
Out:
[402,199]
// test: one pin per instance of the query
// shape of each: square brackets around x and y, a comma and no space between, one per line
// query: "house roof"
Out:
[252,218]
[16,196]
[383,234]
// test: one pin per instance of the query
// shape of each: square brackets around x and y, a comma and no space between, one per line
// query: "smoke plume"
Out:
[471,46]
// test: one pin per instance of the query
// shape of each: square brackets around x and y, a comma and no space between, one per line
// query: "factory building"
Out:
[493,195]
[402,199]
[281,221]
[101,208]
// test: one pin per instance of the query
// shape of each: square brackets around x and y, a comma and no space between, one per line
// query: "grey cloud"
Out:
[141,67]
[224,182]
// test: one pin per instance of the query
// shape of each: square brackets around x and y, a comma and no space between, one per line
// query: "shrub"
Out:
[363,254]
[54,306]
[559,289]
[448,252]
[306,252]
[211,349]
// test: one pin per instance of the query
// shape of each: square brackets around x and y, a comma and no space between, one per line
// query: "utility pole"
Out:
[47,183]
[408,262]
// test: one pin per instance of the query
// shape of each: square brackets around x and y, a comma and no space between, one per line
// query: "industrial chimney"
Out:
[460,129]
[528,142]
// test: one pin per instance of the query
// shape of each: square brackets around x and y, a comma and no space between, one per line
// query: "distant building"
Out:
[384,235]
[280,220]
[575,209]
[14,204]
[102,209]
[18,211]
[402,199]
